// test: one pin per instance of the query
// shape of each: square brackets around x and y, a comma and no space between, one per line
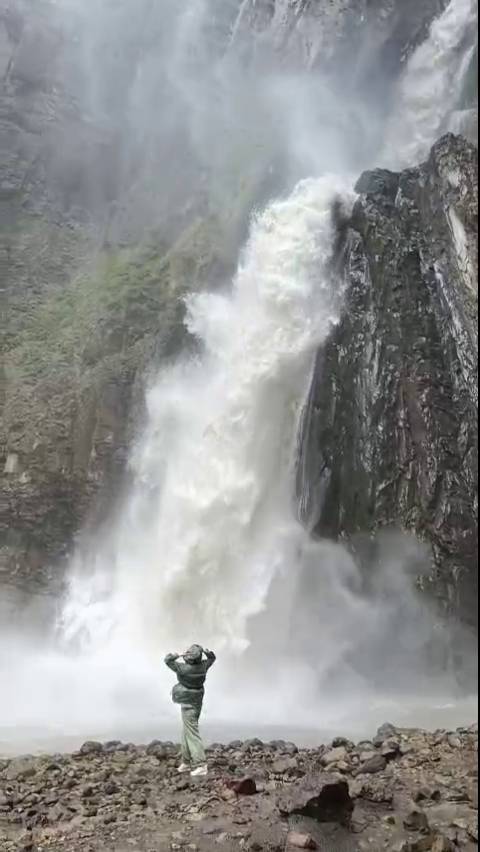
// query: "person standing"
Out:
[191,669]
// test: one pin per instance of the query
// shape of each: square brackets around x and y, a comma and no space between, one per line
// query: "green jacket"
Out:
[189,690]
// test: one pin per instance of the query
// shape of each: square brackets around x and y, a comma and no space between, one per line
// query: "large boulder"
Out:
[325,798]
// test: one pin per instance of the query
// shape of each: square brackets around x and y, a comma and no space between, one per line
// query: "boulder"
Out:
[372,765]
[243,787]
[325,798]
[91,747]
[334,756]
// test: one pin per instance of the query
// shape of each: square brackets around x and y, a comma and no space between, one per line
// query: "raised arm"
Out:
[171,662]
[210,657]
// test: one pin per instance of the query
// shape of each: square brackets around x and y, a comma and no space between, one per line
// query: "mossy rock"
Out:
[129,295]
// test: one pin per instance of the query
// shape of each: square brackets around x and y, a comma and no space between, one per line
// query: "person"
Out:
[189,692]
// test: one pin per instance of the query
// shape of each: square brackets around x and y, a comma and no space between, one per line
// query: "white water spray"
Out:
[429,90]
[197,548]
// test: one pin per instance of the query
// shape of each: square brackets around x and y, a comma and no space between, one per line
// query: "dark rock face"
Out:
[82,318]
[390,430]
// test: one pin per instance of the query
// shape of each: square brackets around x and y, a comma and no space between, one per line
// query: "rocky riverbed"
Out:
[404,791]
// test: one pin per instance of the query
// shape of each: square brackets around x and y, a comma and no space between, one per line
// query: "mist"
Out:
[204,545]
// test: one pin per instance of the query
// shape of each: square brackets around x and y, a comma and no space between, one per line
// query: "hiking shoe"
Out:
[184,767]
[199,771]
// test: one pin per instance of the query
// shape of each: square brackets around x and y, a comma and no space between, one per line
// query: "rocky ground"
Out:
[405,791]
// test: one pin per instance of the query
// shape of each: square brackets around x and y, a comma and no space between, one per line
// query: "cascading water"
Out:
[197,548]
[207,548]
[430,87]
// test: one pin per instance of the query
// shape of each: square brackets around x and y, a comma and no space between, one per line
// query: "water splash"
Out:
[430,87]
[196,549]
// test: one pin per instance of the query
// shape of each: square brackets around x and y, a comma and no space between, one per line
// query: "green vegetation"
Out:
[129,296]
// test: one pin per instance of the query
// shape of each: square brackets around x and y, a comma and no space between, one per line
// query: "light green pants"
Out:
[193,751]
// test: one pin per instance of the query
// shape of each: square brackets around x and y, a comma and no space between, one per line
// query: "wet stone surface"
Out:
[116,797]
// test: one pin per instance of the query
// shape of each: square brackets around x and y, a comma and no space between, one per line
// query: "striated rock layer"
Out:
[390,432]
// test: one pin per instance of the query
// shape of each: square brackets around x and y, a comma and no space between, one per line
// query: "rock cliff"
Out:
[390,430]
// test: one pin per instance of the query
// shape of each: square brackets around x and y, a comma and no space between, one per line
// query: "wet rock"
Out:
[372,765]
[385,370]
[427,793]
[113,745]
[378,182]
[325,798]
[91,748]
[390,749]
[342,742]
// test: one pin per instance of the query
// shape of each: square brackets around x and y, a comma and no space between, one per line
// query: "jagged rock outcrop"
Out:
[390,430]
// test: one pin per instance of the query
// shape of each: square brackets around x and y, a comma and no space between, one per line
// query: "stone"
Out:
[285,767]
[372,765]
[378,182]
[334,755]
[325,798]
[91,748]
[157,749]
[21,768]
[390,749]
[416,820]
[243,787]
[386,731]
[301,841]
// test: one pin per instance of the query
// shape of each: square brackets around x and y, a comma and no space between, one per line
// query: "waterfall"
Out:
[207,547]
[197,546]
[430,86]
